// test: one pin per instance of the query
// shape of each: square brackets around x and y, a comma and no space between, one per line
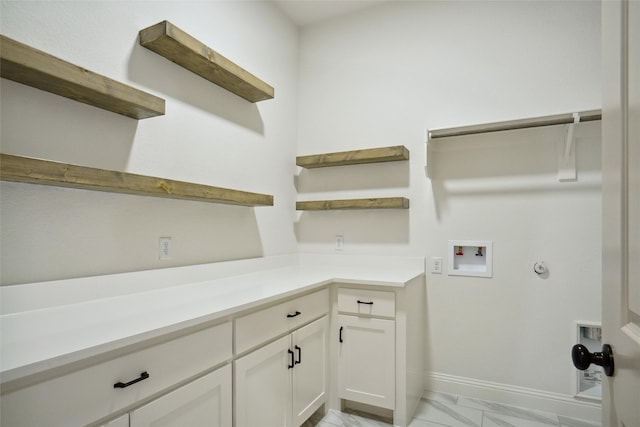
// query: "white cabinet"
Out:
[86,395]
[367,302]
[259,364]
[205,402]
[263,325]
[366,367]
[262,386]
[122,421]
[379,347]
[309,375]
[282,383]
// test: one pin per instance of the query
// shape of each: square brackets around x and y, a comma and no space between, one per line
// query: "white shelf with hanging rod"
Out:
[566,152]
[558,119]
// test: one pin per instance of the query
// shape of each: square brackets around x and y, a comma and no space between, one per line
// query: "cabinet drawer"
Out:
[203,402]
[86,395]
[261,326]
[367,302]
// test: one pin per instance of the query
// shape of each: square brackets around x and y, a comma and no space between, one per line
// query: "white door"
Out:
[263,386]
[310,372]
[367,363]
[621,209]
[205,402]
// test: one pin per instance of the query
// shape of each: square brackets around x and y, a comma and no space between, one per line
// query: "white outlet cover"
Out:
[165,248]
[436,265]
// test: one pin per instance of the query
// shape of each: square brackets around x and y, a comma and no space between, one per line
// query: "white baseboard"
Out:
[561,404]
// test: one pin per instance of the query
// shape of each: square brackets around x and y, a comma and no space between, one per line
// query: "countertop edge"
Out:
[19,376]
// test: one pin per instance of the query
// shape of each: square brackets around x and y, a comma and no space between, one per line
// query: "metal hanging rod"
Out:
[558,119]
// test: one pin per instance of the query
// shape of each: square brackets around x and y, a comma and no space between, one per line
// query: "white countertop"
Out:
[91,316]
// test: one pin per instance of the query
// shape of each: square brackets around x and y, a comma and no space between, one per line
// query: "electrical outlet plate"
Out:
[436,265]
[165,248]
[339,243]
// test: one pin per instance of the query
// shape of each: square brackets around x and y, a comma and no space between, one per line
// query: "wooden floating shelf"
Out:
[33,67]
[355,157]
[35,171]
[177,46]
[376,203]
[558,119]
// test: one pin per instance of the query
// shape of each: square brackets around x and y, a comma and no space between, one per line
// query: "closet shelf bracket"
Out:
[567,153]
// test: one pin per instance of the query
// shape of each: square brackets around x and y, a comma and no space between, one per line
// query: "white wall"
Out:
[381,77]
[208,136]
[377,77]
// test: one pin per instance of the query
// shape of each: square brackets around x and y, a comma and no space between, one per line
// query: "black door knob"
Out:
[582,358]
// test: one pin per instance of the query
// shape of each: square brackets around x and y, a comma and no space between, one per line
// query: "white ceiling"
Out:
[306,12]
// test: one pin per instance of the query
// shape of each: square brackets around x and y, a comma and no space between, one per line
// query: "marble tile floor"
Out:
[445,410]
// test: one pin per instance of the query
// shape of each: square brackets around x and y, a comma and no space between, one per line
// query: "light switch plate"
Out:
[165,248]
[436,265]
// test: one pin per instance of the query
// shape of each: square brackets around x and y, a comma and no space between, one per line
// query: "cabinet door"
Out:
[263,386]
[366,365]
[203,402]
[310,372]
[122,421]
[89,394]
